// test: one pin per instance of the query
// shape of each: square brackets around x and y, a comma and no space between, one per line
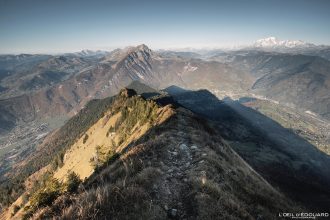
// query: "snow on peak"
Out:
[267,42]
[274,42]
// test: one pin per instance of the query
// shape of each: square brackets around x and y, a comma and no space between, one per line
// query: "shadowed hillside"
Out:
[281,156]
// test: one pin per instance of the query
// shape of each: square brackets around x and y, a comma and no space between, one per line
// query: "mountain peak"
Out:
[142,47]
[132,49]
[119,55]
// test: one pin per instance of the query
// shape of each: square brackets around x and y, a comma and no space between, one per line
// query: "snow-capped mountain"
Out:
[273,42]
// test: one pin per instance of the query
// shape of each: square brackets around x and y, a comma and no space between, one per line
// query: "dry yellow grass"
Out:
[77,158]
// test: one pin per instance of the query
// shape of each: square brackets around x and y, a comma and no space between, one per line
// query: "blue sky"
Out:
[44,26]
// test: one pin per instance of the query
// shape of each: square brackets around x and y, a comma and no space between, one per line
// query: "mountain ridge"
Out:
[172,161]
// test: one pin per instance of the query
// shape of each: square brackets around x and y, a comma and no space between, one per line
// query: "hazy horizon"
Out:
[39,26]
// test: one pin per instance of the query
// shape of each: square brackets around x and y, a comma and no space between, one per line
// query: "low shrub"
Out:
[47,194]
[73,182]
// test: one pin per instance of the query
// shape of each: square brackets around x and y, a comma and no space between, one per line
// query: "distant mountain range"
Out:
[273,42]
[48,86]
[34,87]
